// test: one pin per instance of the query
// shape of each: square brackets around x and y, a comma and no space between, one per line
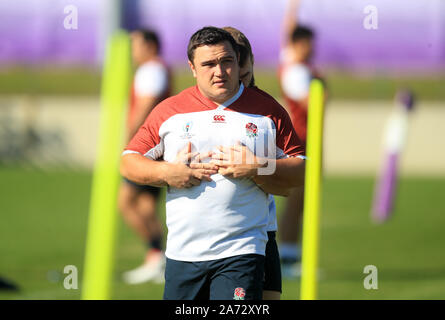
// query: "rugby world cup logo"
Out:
[186,129]
[251,130]
[239,294]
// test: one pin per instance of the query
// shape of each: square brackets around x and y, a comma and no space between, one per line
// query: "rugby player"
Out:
[137,203]
[295,74]
[217,210]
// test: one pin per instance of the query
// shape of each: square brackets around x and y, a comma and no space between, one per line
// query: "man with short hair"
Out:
[137,203]
[217,209]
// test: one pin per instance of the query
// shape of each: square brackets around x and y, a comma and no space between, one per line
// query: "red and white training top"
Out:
[227,216]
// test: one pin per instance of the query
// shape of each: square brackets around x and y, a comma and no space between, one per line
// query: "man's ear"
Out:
[192,67]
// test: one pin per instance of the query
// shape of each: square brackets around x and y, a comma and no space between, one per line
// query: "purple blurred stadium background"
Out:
[410,34]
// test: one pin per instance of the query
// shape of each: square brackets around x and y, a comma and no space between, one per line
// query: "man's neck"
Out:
[228,101]
[147,59]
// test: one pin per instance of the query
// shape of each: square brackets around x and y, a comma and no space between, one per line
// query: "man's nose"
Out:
[219,71]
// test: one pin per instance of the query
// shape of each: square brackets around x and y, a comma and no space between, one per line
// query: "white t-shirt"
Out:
[296,80]
[151,79]
[226,216]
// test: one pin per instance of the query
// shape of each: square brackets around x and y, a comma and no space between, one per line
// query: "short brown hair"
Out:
[150,36]
[209,36]
[245,49]
[302,32]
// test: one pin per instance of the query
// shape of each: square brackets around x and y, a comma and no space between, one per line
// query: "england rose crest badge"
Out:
[251,130]
[239,294]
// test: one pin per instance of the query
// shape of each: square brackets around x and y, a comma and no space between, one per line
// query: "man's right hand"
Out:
[188,170]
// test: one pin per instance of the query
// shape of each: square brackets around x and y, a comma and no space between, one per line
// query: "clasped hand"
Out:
[188,170]
[237,161]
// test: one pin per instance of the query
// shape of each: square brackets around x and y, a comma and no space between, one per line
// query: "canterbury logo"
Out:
[219,118]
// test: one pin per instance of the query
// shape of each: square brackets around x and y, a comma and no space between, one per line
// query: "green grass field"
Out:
[43,229]
[341,84]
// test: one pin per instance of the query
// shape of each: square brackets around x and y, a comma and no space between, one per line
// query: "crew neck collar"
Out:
[227,103]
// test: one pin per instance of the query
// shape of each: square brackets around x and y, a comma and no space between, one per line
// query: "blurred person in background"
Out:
[138,203]
[295,74]
[272,272]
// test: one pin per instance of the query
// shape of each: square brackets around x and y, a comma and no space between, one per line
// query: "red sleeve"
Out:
[147,141]
[287,139]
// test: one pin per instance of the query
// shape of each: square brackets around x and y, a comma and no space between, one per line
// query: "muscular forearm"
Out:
[289,173]
[290,20]
[274,189]
[141,170]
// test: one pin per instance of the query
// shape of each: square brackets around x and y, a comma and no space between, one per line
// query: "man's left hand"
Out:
[237,161]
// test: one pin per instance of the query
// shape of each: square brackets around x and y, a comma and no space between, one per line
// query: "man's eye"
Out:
[208,64]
